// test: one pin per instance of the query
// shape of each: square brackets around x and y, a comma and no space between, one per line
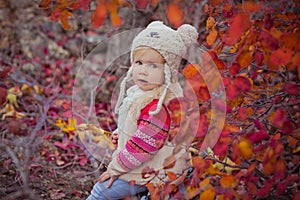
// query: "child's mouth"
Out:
[142,81]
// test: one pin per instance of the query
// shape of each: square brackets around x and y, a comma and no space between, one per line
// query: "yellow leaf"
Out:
[210,22]
[191,192]
[296,150]
[205,183]
[60,123]
[12,95]
[70,126]
[245,149]
[9,111]
[38,89]
[208,194]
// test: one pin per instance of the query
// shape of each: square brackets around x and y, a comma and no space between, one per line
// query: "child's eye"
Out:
[138,62]
[153,66]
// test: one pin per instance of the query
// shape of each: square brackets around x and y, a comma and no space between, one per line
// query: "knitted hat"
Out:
[172,45]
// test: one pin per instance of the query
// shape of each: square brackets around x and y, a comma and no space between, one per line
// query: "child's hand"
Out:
[104,176]
[115,138]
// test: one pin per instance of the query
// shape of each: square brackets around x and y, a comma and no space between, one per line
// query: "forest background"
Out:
[255,46]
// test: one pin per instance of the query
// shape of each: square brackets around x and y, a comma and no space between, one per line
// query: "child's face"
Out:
[148,69]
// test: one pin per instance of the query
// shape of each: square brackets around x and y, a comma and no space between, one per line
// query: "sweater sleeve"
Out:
[151,134]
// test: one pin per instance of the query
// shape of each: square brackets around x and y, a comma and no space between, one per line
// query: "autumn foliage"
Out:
[255,46]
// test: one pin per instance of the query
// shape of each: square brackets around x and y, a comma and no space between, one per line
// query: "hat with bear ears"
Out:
[172,45]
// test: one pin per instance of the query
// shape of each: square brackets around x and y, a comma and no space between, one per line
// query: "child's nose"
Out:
[143,69]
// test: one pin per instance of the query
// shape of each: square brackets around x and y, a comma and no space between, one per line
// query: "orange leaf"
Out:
[240,24]
[211,37]
[281,56]
[295,62]
[199,163]
[228,181]
[278,118]
[175,15]
[208,194]
[191,70]
[289,40]
[45,4]
[251,6]
[171,175]
[64,16]
[245,149]
[99,16]
[280,169]
[115,19]
[245,58]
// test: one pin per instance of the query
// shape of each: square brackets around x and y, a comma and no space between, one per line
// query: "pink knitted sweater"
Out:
[151,134]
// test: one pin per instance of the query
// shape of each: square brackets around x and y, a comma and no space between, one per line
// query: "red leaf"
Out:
[4,72]
[204,94]
[226,81]
[141,4]
[291,88]
[99,16]
[202,127]
[268,41]
[268,22]
[259,58]
[240,24]
[234,69]
[258,136]
[84,4]
[242,114]
[3,94]
[265,190]
[175,15]
[287,127]
[242,83]
[280,188]
[232,91]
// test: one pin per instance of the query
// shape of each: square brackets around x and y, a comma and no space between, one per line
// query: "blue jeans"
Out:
[119,190]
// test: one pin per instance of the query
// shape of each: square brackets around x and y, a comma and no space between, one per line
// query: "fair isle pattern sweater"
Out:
[151,134]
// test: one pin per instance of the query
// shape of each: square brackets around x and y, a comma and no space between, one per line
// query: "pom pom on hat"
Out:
[188,34]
